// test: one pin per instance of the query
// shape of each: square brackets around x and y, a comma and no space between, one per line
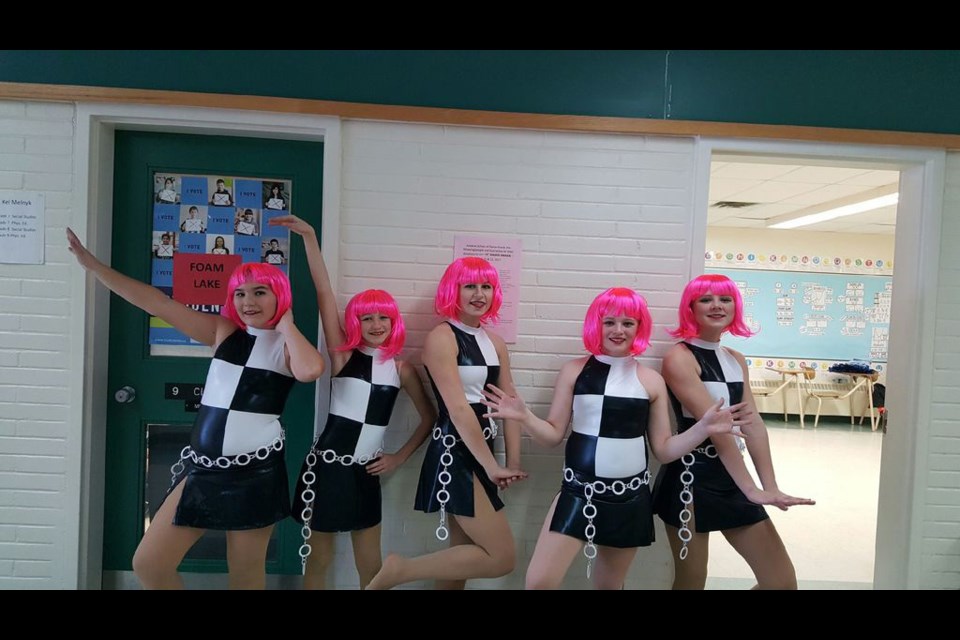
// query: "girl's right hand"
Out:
[86,259]
[295,224]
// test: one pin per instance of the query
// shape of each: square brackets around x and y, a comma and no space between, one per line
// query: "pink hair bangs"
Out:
[379,302]
[617,301]
[467,270]
[717,285]
[261,273]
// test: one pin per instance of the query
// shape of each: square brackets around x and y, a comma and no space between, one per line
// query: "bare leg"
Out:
[247,557]
[611,567]
[690,573]
[491,553]
[761,546]
[163,546]
[319,560]
[366,553]
[457,537]
[552,556]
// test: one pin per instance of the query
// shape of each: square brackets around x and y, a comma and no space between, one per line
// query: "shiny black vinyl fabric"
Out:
[249,497]
[462,471]
[623,521]
[718,503]
[347,498]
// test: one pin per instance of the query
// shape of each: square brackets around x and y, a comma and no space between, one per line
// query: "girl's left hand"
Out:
[503,406]
[293,223]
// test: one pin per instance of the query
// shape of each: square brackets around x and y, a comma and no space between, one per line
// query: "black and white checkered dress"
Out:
[244,394]
[479,365]
[607,443]
[718,503]
[362,396]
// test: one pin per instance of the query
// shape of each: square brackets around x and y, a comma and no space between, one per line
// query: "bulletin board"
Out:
[813,315]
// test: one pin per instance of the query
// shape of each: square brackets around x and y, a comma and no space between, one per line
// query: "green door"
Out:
[145,434]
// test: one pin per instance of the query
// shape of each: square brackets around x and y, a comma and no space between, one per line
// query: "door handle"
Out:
[125,394]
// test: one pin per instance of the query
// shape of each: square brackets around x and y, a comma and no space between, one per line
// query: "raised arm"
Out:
[202,327]
[304,360]
[326,298]
[409,382]
[440,358]
[549,432]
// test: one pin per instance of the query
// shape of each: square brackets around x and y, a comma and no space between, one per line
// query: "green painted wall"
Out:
[892,90]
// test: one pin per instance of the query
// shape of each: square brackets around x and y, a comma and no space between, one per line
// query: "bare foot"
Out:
[389,575]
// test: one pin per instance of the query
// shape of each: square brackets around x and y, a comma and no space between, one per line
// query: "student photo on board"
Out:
[220,195]
[167,189]
[274,197]
[273,252]
[247,222]
[220,245]
[193,220]
[164,244]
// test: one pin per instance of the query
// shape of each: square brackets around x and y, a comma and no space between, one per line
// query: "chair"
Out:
[768,392]
[809,374]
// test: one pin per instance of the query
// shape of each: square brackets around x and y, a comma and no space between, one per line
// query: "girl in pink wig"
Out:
[460,475]
[339,484]
[710,488]
[232,476]
[617,407]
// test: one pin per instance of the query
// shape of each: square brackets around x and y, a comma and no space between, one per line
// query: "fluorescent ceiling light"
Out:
[839,212]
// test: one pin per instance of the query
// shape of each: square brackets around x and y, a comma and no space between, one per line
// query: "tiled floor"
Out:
[832,543]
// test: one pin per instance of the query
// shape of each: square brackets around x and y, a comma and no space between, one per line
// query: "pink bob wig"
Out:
[717,285]
[617,301]
[467,270]
[261,273]
[379,302]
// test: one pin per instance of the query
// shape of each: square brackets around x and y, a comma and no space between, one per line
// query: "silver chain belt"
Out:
[224,462]
[308,495]
[599,487]
[686,495]
[449,441]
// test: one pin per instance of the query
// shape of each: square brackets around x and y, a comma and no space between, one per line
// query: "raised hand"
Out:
[286,321]
[295,224]
[86,259]
[502,405]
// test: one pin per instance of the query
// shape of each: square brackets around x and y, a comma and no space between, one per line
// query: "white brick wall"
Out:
[407,190]
[940,553]
[593,211]
[36,147]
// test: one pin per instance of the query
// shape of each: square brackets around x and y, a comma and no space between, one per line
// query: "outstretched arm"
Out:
[409,382]
[203,327]
[549,432]
[326,298]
